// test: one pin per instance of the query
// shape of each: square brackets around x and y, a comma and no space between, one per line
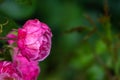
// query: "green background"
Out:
[85,42]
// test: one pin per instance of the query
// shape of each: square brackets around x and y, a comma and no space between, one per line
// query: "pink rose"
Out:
[8,71]
[34,40]
[11,37]
[29,69]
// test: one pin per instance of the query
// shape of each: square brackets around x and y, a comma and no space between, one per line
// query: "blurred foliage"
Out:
[6,54]
[7,25]
[85,44]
